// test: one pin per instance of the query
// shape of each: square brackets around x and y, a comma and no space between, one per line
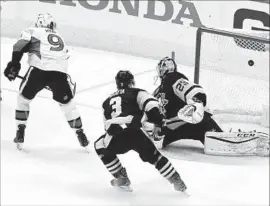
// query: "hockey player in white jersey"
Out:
[184,105]
[48,60]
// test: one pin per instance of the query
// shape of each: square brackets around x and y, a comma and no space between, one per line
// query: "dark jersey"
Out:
[125,102]
[122,103]
[174,93]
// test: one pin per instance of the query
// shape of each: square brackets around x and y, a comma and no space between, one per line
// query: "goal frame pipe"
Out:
[222,33]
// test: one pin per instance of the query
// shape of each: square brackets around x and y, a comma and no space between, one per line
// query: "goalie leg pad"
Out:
[263,145]
[236,143]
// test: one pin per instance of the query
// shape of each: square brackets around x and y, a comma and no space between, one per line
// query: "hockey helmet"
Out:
[45,20]
[165,66]
[124,79]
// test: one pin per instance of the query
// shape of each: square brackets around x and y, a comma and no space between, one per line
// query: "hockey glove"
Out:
[12,70]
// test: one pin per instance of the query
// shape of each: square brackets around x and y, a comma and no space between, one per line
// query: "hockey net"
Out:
[233,68]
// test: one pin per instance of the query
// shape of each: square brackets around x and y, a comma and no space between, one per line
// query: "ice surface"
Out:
[54,170]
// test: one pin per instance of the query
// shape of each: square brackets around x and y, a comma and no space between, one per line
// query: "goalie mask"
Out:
[124,79]
[45,20]
[165,66]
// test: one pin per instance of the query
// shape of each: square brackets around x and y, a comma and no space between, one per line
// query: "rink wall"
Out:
[150,28]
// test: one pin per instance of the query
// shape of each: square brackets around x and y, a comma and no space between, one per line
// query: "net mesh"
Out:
[235,73]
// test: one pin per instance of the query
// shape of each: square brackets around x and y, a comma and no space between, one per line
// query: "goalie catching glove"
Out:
[193,112]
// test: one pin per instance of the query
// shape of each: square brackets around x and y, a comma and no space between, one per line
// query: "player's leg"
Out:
[148,153]
[192,131]
[33,82]
[107,148]
[63,94]
[74,120]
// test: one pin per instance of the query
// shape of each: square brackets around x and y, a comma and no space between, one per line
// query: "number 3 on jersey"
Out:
[116,104]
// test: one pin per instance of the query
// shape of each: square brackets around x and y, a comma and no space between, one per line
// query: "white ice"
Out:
[54,170]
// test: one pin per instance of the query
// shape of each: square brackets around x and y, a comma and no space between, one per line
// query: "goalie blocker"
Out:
[236,143]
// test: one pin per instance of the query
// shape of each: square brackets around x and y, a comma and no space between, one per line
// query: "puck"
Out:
[251,63]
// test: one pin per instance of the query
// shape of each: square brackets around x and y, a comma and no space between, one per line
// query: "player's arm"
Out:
[110,129]
[195,98]
[113,126]
[150,106]
[19,48]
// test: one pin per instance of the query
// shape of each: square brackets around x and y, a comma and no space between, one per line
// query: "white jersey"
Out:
[46,49]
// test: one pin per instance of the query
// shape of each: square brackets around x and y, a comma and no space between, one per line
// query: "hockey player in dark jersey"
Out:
[183,104]
[123,112]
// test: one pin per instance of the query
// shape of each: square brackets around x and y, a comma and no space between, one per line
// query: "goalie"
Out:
[183,104]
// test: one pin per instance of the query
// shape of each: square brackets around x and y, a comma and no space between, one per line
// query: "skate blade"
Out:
[125,188]
[19,146]
[185,194]
[87,149]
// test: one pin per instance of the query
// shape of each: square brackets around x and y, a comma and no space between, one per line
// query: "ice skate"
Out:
[121,180]
[83,139]
[19,139]
[158,142]
[178,183]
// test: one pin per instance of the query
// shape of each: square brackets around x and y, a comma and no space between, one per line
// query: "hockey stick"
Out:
[174,123]
[22,78]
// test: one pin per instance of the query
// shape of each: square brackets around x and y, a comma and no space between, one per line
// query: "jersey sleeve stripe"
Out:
[190,89]
[143,98]
[146,103]
[20,45]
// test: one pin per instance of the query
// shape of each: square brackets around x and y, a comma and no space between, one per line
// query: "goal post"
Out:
[233,68]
